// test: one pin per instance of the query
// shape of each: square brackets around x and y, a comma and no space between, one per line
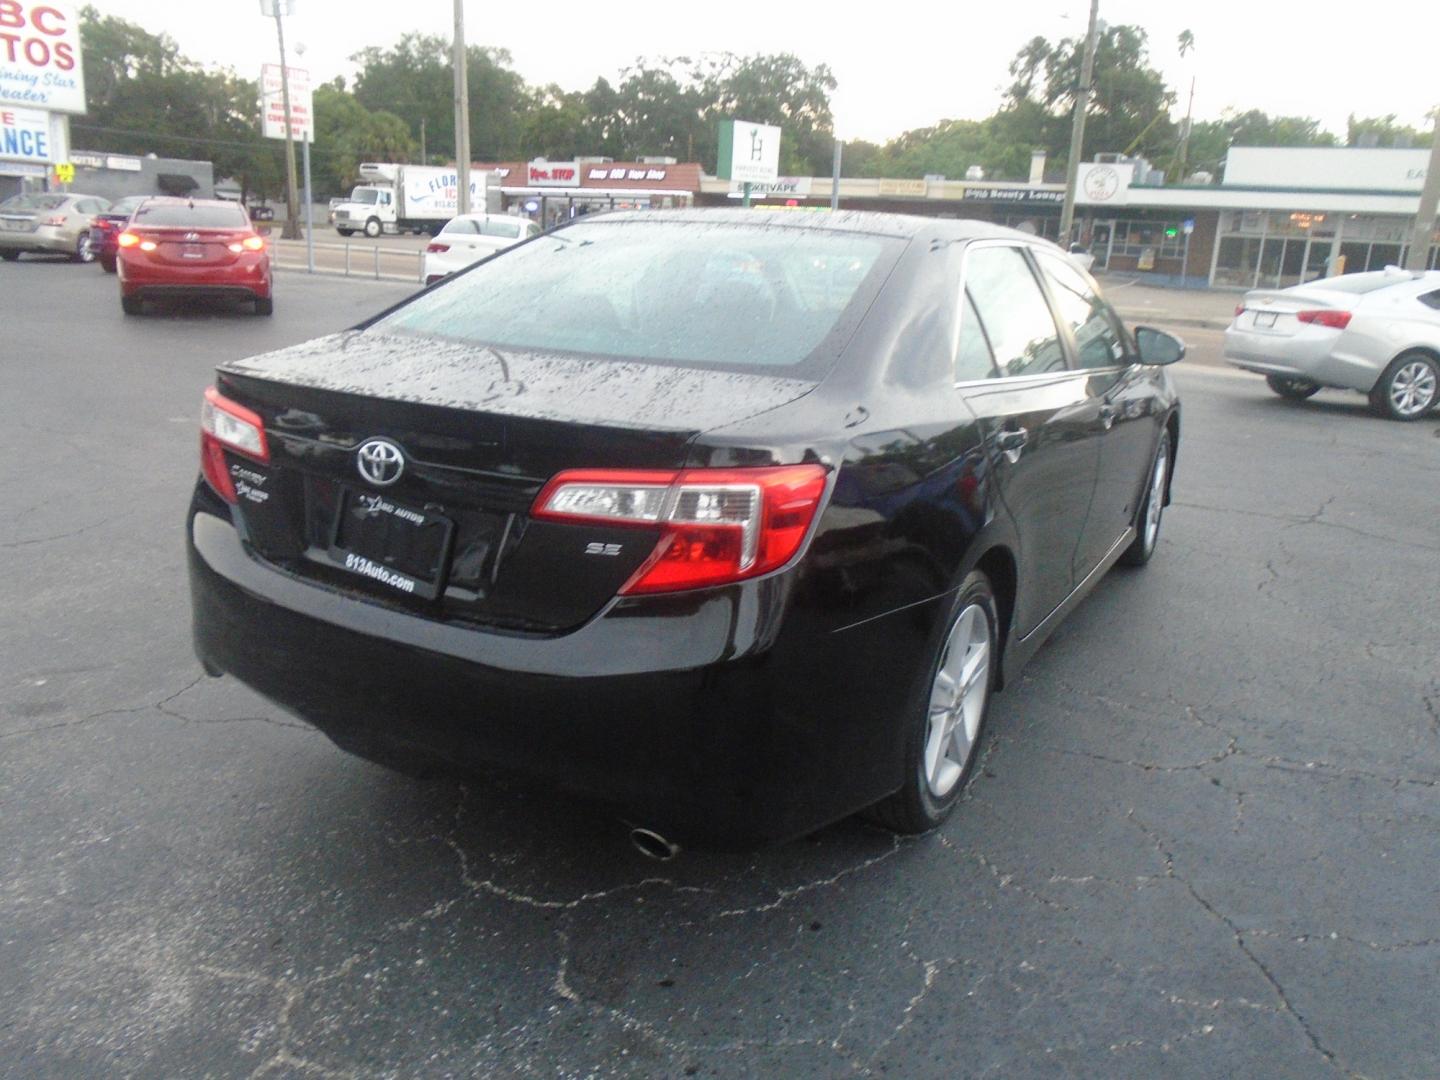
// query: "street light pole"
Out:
[1077,126]
[1420,239]
[291,229]
[462,113]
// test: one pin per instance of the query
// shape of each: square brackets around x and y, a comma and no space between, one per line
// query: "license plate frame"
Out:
[377,538]
[1265,319]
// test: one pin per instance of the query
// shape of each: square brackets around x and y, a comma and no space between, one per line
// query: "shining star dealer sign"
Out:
[40,56]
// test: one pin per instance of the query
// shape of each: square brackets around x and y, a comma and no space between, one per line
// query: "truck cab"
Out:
[369,209]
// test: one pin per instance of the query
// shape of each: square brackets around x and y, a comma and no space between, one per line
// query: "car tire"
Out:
[1147,521]
[132,305]
[950,704]
[108,265]
[373,228]
[1294,389]
[84,253]
[9,256]
[346,232]
[265,306]
[1407,389]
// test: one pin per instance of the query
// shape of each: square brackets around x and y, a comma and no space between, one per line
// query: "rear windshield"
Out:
[491,227]
[195,217]
[688,293]
[34,202]
[1361,283]
[127,204]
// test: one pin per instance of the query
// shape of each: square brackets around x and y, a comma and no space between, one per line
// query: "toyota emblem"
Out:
[380,462]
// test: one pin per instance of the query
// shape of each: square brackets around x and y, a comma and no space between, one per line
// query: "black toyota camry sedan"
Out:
[733,520]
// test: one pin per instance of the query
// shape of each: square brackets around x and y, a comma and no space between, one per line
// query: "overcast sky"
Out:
[930,60]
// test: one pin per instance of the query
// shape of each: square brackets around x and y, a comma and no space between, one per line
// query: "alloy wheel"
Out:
[1412,390]
[957,700]
[1155,503]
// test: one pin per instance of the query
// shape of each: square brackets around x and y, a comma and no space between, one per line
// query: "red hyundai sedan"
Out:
[182,248]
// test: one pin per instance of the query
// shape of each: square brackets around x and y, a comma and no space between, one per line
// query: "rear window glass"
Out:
[195,217]
[34,202]
[737,296]
[508,229]
[127,204]
[1360,283]
[460,225]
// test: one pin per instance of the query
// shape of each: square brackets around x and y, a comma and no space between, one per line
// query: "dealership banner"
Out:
[25,135]
[40,56]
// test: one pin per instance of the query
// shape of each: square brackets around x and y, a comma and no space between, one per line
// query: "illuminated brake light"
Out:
[1335,320]
[1239,310]
[127,239]
[147,245]
[53,219]
[227,425]
[437,248]
[716,525]
[253,243]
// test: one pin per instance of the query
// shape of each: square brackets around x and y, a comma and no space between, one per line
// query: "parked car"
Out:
[733,519]
[106,228]
[185,248]
[471,237]
[49,222]
[1377,332]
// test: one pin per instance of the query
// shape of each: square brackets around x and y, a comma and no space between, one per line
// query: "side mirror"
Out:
[1158,347]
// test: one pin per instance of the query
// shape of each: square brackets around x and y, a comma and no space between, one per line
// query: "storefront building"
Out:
[553,191]
[1281,216]
[41,84]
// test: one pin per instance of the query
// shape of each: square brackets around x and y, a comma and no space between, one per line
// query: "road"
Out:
[1204,840]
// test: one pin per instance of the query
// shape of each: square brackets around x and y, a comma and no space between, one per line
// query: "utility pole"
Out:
[424,158]
[1077,127]
[835,177]
[462,113]
[291,229]
[1420,239]
[1185,135]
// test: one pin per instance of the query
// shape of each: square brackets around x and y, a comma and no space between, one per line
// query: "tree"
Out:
[1384,131]
[347,133]
[1210,140]
[776,89]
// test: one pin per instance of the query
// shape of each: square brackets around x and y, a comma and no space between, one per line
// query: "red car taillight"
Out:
[249,243]
[437,248]
[716,525]
[225,425]
[1336,320]
[1239,310]
[127,239]
[53,219]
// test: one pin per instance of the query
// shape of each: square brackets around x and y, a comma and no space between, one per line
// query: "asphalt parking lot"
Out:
[1205,840]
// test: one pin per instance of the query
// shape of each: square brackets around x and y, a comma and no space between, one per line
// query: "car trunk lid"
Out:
[1273,311]
[180,246]
[479,432]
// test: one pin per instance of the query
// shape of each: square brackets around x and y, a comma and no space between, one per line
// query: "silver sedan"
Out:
[1378,333]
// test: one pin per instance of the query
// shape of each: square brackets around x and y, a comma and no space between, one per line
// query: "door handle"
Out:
[1011,441]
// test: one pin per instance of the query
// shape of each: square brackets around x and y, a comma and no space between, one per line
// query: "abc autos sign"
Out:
[40,56]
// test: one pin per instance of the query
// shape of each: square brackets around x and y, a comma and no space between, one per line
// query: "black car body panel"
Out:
[748,712]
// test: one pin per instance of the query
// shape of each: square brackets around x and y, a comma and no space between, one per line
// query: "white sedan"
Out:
[471,237]
[1378,333]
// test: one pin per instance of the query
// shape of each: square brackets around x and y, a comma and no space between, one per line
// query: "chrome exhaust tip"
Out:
[653,846]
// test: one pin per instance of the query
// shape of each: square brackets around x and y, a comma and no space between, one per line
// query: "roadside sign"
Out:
[24,135]
[749,152]
[40,57]
[65,173]
[272,103]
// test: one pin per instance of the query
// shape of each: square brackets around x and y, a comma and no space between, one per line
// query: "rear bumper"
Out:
[45,238]
[1317,356]
[247,278]
[723,716]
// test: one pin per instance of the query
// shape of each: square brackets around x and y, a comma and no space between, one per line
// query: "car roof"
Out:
[903,226]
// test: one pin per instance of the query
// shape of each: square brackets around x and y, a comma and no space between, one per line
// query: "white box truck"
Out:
[406,198]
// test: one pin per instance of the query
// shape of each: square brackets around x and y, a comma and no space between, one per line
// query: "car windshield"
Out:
[34,202]
[366,195]
[687,293]
[195,217]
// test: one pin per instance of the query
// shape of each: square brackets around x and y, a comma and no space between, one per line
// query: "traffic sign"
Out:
[65,173]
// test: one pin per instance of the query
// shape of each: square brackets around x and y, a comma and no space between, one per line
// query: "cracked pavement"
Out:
[1204,839]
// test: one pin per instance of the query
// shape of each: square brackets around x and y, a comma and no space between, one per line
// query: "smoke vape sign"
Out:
[749,152]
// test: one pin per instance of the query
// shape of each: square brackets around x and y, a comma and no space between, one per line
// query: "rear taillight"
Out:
[1336,320]
[53,219]
[250,243]
[1239,310]
[437,248]
[716,525]
[225,425]
[127,239]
